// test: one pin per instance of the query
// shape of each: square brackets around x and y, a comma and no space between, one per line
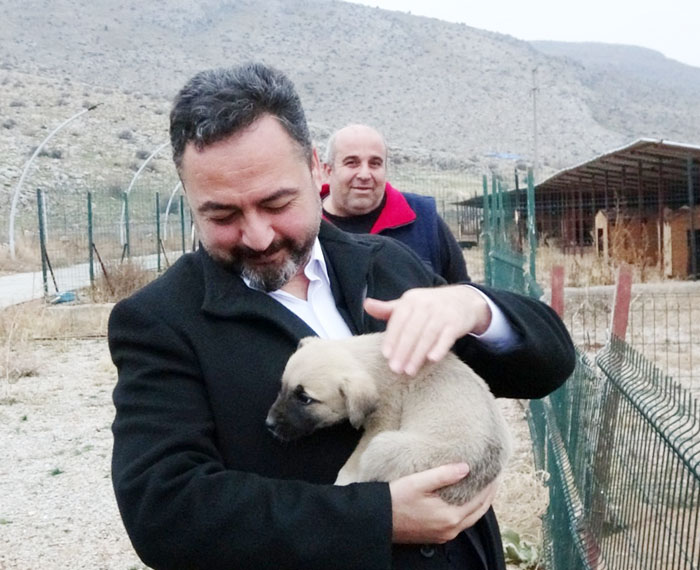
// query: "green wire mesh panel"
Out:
[621,442]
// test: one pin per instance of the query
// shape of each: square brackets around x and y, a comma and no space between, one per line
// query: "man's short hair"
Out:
[330,151]
[218,103]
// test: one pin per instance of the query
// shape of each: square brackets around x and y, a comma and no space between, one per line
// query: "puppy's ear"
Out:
[361,396]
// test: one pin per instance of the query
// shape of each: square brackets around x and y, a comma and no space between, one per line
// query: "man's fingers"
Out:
[379,309]
[442,346]
[385,310]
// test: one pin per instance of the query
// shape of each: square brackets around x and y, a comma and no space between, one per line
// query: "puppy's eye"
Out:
[303,397]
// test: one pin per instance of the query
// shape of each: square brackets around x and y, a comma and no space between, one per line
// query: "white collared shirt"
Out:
[319,310]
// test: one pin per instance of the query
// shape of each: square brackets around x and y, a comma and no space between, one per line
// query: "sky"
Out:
[671,26]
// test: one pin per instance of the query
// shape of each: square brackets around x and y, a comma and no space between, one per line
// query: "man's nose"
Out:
[257,233]
[364,171]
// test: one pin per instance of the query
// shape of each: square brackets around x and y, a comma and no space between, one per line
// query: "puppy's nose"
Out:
[270,423]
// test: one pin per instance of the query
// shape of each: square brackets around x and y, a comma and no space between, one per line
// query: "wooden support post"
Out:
[692,243]
[660,219]
[579,214]
[621,302]
[557,301]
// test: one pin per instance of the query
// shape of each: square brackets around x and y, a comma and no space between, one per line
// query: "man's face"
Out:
[255,202]
[357,176]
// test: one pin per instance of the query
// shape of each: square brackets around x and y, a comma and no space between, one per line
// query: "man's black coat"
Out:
[199,481]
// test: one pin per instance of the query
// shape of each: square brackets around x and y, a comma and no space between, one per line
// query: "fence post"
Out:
[90,240]
[502,222]
[557,301]
[495,207]
[621,302]
[487,233]
[692,246]
[611,403]
[531,226]
[534,289]
[42,241]
[127,235]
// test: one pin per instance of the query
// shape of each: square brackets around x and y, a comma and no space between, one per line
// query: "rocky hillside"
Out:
[443,93]
[636,91]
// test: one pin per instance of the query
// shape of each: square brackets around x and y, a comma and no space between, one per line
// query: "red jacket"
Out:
[396,211]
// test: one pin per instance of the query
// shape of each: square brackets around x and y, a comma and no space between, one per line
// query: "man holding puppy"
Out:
[200,351]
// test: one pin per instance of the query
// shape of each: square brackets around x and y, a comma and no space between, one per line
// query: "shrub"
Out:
[119,280]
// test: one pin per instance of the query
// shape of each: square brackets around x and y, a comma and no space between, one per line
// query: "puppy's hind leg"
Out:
[393,454]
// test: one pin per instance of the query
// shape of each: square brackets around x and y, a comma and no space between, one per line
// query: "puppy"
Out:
[444,414]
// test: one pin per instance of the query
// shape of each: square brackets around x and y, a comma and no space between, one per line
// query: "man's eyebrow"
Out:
[281,193]
[210,206]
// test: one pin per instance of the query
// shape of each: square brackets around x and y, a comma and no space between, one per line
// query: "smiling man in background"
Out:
[358,199]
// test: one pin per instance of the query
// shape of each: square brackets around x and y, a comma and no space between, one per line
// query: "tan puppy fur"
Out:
[444,414]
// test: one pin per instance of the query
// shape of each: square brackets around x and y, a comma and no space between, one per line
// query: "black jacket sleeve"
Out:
[540,362]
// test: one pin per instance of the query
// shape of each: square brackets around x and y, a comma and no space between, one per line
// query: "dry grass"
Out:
[580,269]
[585,268]
[26,258]
[119,280]
[21,325]
[17,360]
[474,257]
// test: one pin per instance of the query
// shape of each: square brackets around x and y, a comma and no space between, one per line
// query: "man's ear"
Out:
[361,396]
[316,170]
[326,171]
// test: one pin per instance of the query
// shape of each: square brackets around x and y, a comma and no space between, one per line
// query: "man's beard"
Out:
[270,277]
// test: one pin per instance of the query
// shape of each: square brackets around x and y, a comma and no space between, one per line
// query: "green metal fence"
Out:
[622,443]
[650,441]
[506,249]
[80,241]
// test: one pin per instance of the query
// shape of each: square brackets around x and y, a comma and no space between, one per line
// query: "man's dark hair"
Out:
[217,103]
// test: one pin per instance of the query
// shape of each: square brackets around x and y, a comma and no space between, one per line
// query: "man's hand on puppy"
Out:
[420,516]
[424,323]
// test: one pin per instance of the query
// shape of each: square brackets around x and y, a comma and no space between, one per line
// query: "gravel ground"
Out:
[57,509]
